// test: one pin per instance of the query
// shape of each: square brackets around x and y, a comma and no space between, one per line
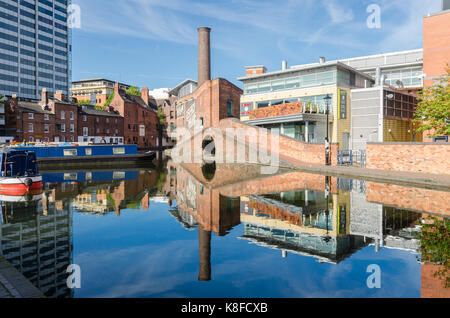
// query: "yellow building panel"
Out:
[398,130]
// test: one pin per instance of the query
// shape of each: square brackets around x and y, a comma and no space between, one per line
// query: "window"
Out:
[46,117]
[63,127]
[70,152]
[72,128]
[97,119]
[88,151]
[46,129]
[119,175]
[71,116]
[72,138]
[30,128]
[107,120]
[85,131]
[107,131]
[84,118]
[63,115]
[229,108]
[98,130]
[70,176]
[30,116]
[119,151]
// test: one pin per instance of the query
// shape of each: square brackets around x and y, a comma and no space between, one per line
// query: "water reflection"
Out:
[301,216]
[326,218]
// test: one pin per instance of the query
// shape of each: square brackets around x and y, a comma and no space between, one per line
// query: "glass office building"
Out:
[35,48]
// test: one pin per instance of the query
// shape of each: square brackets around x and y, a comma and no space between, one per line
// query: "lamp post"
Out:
[327,139]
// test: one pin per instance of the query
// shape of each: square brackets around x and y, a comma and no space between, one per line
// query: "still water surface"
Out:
[221,231]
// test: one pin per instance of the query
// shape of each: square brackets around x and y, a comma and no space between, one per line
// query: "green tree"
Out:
[433,112]
[161,124]
[134,90]
[109,100]
[84,102]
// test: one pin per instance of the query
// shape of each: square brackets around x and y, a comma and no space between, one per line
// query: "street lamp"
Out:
[327,139]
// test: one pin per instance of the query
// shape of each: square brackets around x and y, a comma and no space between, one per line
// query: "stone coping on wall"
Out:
[411,143]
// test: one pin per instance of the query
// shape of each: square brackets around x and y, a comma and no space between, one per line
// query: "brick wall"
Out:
[436,45]
[410,157]
[432,287]
[278,110]
[417,199]
[291,150]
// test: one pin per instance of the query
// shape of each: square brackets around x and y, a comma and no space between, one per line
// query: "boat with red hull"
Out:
[19,172]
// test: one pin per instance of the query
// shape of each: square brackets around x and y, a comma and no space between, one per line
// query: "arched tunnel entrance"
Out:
[209,150]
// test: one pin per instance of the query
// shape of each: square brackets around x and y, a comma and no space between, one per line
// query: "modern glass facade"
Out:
[408,77]
[307,80]
[35,48]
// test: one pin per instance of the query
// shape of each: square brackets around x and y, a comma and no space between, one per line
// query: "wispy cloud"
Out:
[338,12]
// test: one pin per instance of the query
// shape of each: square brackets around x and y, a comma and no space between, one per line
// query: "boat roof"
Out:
[12,150]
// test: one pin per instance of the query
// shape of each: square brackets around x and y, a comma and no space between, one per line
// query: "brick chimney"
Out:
[60,96]
[145,95]
[14,102]
[255,70]
[44,97]
[116,89]
[204,55]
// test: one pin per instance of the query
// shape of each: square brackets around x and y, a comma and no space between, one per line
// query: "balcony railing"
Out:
[287,109]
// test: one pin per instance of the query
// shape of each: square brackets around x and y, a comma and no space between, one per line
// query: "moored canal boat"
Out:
[85,154]
[18,172]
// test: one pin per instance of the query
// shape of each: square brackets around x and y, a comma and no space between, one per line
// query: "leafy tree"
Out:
[84,102]
[435,246]
[161,124]
[109,100]
[161,117]
[433,112]
[134,90]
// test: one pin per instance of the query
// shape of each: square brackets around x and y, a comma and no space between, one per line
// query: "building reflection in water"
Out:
[36,230]
[326,218]
[36,237]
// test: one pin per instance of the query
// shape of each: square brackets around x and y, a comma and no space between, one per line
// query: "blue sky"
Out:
[153,43]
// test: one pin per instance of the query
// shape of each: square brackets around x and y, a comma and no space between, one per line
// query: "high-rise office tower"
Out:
[35,47]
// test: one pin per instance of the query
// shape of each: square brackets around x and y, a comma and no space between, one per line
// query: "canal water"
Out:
[226,231]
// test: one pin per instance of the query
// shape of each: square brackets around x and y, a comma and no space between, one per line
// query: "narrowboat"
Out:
[91,155]
[18,172]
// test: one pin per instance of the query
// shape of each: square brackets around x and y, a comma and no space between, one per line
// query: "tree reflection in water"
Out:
[435,246]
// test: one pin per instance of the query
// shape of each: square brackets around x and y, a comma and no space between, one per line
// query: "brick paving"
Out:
[14,285]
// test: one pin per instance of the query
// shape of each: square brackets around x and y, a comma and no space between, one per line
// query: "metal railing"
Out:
[351,158]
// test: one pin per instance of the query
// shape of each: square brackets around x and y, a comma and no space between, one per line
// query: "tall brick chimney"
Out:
[116,89]
[44,97]
[14,102]
[204,55]
[60,96]
[144,94]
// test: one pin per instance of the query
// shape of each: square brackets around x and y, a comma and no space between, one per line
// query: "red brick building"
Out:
[436,50]
[169,110]
[213,100]
[99,126]
[140,117]
[49,120]
[54,119]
